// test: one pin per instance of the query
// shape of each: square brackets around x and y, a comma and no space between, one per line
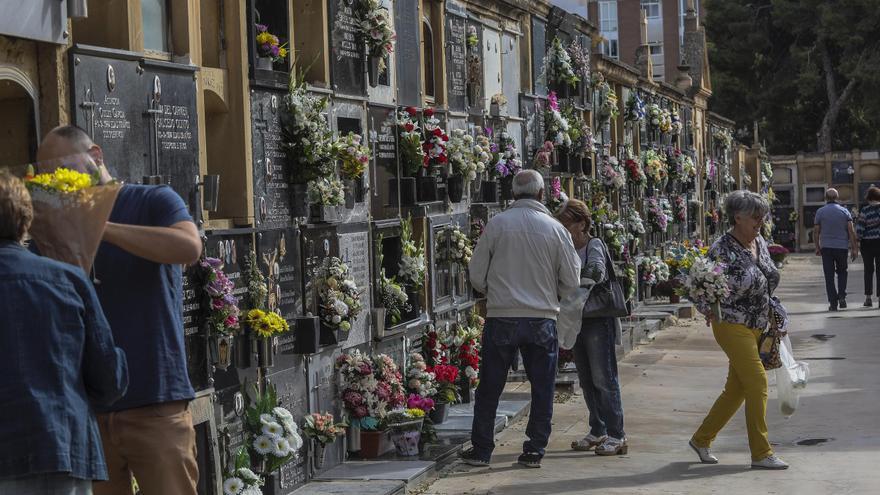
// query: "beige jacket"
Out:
[525,262]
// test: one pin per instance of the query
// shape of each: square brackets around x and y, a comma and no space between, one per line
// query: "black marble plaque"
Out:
[292,388]
[407,46]
[271,178]
[456,61]
[143,115]
[197,362]
[560,24]
[383,136]
[346,50]
[354,251]
[539,39]
[317,243]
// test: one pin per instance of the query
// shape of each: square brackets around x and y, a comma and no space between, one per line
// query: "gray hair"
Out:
[746,203]
[527,184]
[831,194]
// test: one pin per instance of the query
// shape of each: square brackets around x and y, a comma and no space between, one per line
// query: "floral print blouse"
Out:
[748,278]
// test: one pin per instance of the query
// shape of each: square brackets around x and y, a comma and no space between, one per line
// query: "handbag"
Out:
[768,344]
[606,299]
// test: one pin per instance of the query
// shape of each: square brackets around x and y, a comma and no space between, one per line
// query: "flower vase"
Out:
[494,109]
[377,316]
[323,214]
[266,352]
[373,66]
[264,63]
[223,351]
[489,191]
[308,335]
[461,280]
[507,188]
[440,413]
[350,193]
[406,437]
[407,187]
[300,200]
[464,388]
[455,187]
[353,439]
[674,299]
[426,189]
[414,297]
[373,443]
[319,455]
[329,336]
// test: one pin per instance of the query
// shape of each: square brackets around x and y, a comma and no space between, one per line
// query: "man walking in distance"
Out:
[833,234]
[150,234]
[524,262]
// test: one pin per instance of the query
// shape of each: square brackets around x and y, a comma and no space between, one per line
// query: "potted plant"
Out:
[371,386]
[406,430]
[241,479]
[353,158]
[373,23]
[273,436]
[446,376]
[322,431]
[498,105]
[266,325]
[411,158]
[269,48]
[339,300]
[412,267]
[221,310]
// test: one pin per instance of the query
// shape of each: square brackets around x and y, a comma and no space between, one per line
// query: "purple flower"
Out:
[489,131]
[213,262]
[493,148]
[262,28]
[275,50]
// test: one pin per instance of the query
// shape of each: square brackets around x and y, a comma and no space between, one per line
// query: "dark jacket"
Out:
[59,360]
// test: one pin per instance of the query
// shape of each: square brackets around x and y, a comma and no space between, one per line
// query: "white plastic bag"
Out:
[791,378]
[568,323]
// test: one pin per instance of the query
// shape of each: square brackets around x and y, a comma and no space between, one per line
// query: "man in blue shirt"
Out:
[150,234]
[59,363]
[833,234]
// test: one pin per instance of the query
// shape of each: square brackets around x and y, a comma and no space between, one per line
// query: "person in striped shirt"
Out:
[868,231]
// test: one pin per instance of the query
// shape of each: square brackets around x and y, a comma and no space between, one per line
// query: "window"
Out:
[682,13]
[609,48]
[651,8]
[156,20]
[428,57]
[608,27]
[657,50]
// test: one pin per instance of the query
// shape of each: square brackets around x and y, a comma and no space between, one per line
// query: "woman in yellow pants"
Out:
[752,277]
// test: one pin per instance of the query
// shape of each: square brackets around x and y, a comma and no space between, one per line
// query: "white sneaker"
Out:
[770,462]
[706,457]
[587,443]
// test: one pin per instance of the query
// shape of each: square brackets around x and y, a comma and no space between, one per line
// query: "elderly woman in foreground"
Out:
[752,278]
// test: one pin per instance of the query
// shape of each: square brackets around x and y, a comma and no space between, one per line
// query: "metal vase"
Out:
[353,439]
[319,455]
[266,352]
[223,351]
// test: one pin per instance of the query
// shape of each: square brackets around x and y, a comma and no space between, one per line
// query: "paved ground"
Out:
[669,385]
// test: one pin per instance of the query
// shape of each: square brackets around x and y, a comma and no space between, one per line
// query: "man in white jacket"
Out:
[524,262]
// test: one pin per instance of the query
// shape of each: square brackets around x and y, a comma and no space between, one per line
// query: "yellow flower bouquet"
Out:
[266,324]
[71,208]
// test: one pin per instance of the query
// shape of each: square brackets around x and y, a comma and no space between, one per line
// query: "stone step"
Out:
[361,487]
[408,472]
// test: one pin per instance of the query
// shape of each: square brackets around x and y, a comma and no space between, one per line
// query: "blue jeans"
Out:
[47,484]
[596,361]
[535,338]
[834,262]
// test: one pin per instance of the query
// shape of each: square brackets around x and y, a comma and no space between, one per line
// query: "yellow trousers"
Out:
[746,381]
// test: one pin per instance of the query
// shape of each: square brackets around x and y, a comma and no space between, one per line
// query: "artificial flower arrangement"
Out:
[416,401]
[679,209]
[435,347]
[681,165]
[274,437]
[472,38]
[634,223]
[268,45]
[373,23]
[630,280]
[326,191]
[706,285]
[412,155]
[793,216]
[393,298]
[223,312]
[746,176]
[371,387]
[556,198]
[659,118]
[654,270]
[352,154]
[322,428]
[340,299]
[656,168]
[777,252]
[557,68]
[611,173]
[412,267]
[266,324]
[459,248]
[465,156]
[657,214]
[635,110]
[544,155]
[307,140]
[257,289]
[580,59]
[435,139]
[420,381]
[615,235]
[583,141]
[498,99]
[466,345]
[576,126]
[505,157]
[766,172]
[723,138]
[241,480]
[635,174]
[447,383]
[607,100]
[482,150]
[408,415]
[712,217]
[555,123]
[675,125]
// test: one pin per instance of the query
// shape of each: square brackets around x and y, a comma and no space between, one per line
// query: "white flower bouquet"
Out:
[412,267]
[464,155]
[326,191]
[611,173]
[418,379]
[557,66]
[659,118]
[275,438]
[241,480]
[459,248]
[306,137]
[394,299]
[706,284]
[634,223]
[340,299]
[654,270]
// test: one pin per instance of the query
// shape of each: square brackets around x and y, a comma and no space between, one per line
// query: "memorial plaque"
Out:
[382,134]
[354,251]
[407,47]
[532,111]
[456,59]
[195,340]
[510,67]
[395,348]
[440,271]
[271,177]
[324,395]
[292,389]
[317,243]
[346,50]
[142,114]
[278,253]
[539,39]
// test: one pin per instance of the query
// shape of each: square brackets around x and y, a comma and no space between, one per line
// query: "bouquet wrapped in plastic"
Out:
[71,208]
[706,285]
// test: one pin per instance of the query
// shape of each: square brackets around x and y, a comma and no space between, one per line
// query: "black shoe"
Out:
[832,308]
[530,459]
[842,304]
[470,457]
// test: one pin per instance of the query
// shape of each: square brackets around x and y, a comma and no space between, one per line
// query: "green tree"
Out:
[808,71]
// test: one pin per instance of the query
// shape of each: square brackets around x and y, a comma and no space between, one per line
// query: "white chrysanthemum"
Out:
[266,418]
[252,490]
[248,475]
[273,429]
[233,486]
[282,413]
[263,444]
[295,441]
[281,447]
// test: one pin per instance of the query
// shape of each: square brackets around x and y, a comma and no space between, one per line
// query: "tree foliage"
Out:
[808,71]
